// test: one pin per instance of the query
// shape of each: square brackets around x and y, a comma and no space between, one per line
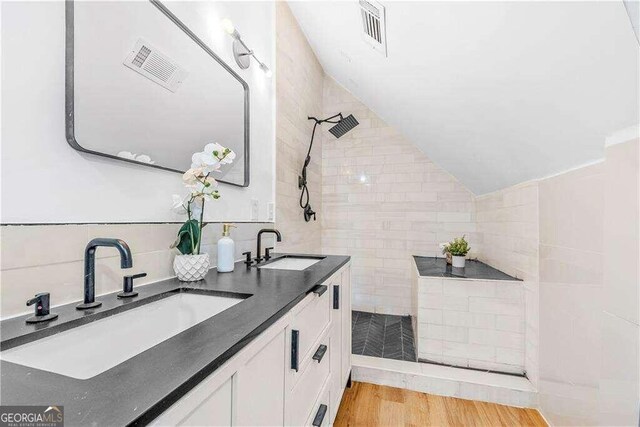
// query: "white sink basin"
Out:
[292,263]
[88,350]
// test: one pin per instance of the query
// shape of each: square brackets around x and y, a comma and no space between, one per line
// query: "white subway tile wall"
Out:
[49,258]
[382,201]
[471,323]
[299,94]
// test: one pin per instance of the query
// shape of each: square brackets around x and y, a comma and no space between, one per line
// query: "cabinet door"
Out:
[345,309]
[209,404]
[260,386]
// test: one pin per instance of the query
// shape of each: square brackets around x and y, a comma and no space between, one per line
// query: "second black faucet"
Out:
[260,233]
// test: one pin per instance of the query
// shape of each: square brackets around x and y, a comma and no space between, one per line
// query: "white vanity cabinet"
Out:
[294,373]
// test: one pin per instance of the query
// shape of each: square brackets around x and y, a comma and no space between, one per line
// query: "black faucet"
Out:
[266,230]
[126,261]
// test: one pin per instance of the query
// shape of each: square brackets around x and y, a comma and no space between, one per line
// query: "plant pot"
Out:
[458,261]
[448,256]
[191,268]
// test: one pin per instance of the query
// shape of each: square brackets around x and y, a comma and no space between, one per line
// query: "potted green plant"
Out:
[192,265]
[458,248]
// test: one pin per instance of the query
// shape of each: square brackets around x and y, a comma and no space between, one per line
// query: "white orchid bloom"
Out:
[212,182]
[191,176]
[206,161]
[229,158]
[127,155]
[179,204]
[218,152]
[214,149]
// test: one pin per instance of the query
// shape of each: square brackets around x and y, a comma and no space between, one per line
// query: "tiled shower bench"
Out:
[469,317]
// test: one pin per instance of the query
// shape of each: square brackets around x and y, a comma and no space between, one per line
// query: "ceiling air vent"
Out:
[148,61]
[374,24]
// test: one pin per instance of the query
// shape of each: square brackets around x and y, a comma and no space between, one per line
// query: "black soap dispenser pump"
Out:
[42,302]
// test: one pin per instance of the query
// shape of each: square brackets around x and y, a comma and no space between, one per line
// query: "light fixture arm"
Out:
[241,52]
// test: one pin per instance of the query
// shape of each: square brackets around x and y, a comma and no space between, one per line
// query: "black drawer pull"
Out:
[319,354]
[320,289]
[317,421]
[336,297]
[295,344]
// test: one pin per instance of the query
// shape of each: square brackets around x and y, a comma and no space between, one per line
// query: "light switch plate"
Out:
[255,207]
[271,211]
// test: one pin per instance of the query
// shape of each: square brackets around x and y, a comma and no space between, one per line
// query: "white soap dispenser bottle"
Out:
[226,250]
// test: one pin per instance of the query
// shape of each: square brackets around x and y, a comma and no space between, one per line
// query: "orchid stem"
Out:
[200,225]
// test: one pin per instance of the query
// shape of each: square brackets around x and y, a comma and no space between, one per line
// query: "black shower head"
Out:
[344,126]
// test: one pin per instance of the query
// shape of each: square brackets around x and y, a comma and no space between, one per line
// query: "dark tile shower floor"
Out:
[382,335]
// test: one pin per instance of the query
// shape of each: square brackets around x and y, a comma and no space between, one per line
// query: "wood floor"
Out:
[373,405]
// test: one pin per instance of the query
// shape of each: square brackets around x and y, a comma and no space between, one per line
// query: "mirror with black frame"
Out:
[143,88]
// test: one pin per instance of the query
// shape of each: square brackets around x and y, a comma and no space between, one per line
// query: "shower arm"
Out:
[302,179]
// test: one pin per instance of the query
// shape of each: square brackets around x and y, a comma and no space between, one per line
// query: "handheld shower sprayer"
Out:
[342,125]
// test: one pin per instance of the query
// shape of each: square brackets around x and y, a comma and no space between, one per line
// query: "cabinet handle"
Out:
[336,297]
[319,354]
[295,344]
[317,421]
[320,289]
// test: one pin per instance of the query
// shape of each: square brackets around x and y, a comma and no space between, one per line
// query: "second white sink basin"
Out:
[91,349]
[292,263]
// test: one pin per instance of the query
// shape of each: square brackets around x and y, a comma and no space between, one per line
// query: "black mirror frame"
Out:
[69,91]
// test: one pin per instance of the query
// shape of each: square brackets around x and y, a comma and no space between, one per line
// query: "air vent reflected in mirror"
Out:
[157,67]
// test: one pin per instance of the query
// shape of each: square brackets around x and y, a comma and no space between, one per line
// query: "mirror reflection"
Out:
[145,91]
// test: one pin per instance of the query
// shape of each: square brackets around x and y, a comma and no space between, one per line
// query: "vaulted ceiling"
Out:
[496,93]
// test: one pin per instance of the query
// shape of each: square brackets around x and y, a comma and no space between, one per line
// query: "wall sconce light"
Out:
[241,51]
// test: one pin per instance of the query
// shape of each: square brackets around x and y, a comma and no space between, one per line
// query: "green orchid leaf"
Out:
[188,237]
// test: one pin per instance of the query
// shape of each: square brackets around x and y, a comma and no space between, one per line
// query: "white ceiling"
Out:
[496,93]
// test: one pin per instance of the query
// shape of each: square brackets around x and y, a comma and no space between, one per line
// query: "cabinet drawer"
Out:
[322,409]
[310,383]
[307,325]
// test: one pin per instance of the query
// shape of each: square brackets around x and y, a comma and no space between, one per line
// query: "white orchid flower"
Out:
[191,176]
[228,159]
[144,159]
[214,149]
[218,152]
[206,161]
[212,182]
[179,203]
[127,155]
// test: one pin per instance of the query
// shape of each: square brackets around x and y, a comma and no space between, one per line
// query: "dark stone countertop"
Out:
[139,389]
[478,270]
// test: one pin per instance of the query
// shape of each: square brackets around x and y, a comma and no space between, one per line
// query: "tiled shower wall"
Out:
[571,262]
[508,221]
[299,94]
[49,258]
[384,200]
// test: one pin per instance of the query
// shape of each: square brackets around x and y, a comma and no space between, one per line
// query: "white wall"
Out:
[44,180]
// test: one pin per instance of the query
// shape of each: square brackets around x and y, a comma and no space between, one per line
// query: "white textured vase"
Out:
[457,261]
[191,268]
